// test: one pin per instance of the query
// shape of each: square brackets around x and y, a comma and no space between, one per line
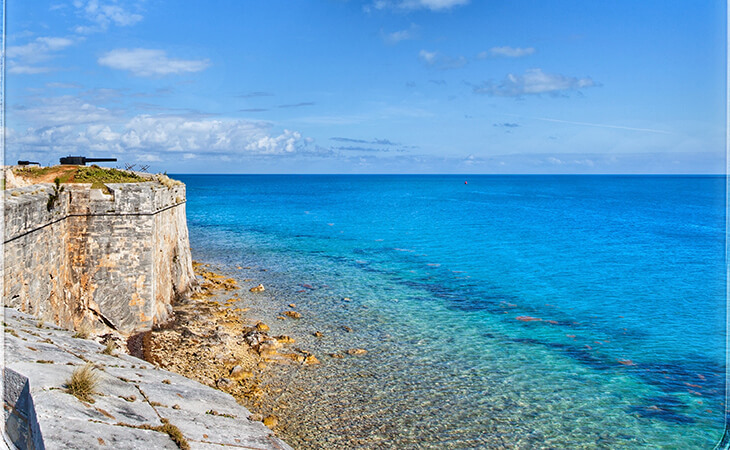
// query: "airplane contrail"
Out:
[599,125]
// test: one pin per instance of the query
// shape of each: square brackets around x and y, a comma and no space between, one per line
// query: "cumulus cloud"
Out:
[103,14]
[507,52]
[439,61]
[533,82]
[157,135]
[144,62]
[433,5]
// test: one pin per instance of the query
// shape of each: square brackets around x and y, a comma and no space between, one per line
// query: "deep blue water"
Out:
[446,282]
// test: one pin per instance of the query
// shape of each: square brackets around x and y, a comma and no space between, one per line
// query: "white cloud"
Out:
[507,52]
[15,68]
[533,82]
[65,109]
[39,49]
[439,61]
[22,59]
[401,35]
[103,14]
[157,135]
[149,63]
[433,5]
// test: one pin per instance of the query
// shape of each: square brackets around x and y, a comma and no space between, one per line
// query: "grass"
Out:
[171,430]
[83,383]
[82,333]
[109,349]
[96,174]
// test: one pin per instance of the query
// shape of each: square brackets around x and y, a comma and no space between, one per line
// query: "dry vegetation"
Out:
[82,383]
[77,174]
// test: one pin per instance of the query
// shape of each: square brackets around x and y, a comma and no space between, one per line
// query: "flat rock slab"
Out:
[131,394]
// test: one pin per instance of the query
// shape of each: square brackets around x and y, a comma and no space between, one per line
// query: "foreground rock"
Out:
[135,405]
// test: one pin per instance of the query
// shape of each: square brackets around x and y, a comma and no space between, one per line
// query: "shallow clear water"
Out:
[446,281]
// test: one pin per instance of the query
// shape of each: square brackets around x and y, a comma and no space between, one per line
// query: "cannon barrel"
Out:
[82,160]
[27,163]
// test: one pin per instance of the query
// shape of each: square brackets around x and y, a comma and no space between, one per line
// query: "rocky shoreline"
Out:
[211,341]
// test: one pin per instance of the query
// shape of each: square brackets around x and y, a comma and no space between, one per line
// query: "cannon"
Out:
[27,163]
[82,160]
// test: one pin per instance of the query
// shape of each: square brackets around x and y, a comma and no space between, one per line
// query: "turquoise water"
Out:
[512,311]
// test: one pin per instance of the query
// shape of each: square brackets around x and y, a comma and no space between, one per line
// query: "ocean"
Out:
[496,311]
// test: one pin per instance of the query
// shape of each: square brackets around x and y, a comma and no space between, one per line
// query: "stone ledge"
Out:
[131,393]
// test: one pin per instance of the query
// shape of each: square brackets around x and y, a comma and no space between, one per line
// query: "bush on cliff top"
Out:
[94,174]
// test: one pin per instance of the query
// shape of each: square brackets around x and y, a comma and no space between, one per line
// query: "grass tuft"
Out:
[82,333]
[109,349]
[83,382]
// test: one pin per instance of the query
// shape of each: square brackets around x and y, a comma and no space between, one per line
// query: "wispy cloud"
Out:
[150,63]
[296,105]
[63,110]
[24,59]
[506,52]
[56,85]
[433,5]
[401,35]
[533,82]
[364,141]
[253,110]
[101,14]
[507,125]
[439,61]
[255,94]
[359,149]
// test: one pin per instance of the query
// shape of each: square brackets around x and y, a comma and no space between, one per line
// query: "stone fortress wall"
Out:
[95,259]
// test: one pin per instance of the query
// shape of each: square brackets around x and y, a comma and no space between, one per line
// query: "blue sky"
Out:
[384,86]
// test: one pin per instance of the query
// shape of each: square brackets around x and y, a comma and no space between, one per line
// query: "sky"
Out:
[372,86]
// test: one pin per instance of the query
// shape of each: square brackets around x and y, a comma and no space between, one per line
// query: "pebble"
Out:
[357,351]
[293,314]
[292,305]
[239,373]
[336,355]
[259,288]
[317,334]
[255,417]
[346,328]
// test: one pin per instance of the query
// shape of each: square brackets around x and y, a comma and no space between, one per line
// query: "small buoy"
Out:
[466,182]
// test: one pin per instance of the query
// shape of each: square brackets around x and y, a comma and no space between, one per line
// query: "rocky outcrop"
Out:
[94,259]
[133,404]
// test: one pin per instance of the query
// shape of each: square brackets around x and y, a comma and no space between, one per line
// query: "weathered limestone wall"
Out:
[117,260]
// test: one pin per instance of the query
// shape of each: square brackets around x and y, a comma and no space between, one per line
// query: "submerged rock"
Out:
[271,421]
[357,351]
[285,339]
[259,288]
[317,334]
[293,314]
[260,326]
[347,329]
